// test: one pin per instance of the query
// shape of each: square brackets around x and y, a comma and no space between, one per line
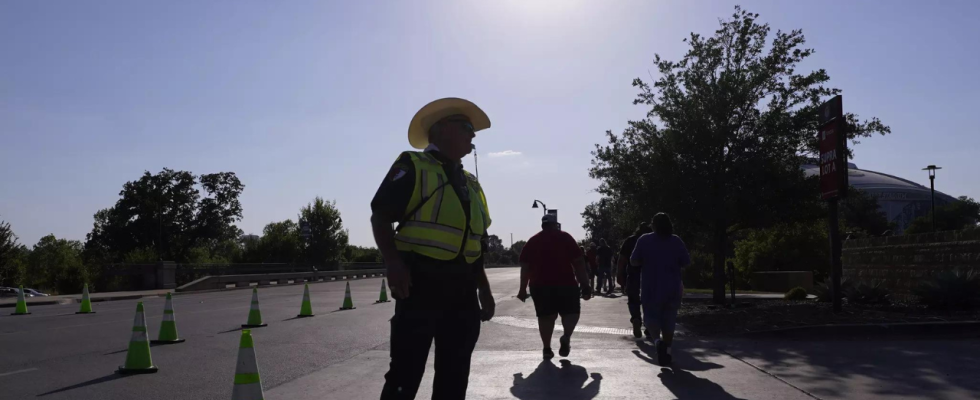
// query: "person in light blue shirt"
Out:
[662,255]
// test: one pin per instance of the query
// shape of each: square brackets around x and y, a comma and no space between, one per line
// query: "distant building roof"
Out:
[901,199]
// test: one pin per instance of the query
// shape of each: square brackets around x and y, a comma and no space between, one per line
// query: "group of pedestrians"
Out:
[430,219]
[600,261]
[649,269]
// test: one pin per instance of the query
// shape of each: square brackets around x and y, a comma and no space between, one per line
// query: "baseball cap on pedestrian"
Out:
[549,219]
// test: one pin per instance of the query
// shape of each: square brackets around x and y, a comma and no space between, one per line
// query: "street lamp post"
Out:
[535,205]
[932,188]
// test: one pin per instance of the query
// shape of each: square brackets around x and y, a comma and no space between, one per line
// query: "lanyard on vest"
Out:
[401,222]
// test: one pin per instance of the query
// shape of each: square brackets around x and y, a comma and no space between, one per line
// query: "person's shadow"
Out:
[548,381]
[679,381]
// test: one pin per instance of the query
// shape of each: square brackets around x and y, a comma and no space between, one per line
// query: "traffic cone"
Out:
[138,359]
[86,303]
[384,293]
[348,303]
[248,386]
[254,315]
[306,309]
[21,303]
[168,328]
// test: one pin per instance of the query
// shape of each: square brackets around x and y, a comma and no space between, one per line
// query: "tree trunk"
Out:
[720,239]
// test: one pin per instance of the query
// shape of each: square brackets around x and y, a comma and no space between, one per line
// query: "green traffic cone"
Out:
[86,302]
[384,293]
[348,303]
[306,309]
[254,315]
[21,303]
[138,360]
[168,328]
[248,385]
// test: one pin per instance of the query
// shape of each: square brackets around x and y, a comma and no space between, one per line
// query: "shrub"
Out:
[784,247]
[797,293]
[868,293]
[700,273]
[953,290]
[822,290]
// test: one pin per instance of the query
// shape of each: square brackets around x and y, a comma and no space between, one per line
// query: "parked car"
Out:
[34,293]
[12,292]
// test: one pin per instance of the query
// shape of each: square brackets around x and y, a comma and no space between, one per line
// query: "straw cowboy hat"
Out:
[418,130]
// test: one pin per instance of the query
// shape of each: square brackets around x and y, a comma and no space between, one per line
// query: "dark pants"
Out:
[605,279]
[413,328]
[633,293]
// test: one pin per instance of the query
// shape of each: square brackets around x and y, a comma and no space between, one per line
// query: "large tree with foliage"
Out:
[729,127]
[328,239]
[57,264]
[164,216]
[609,218]
[518,246]
[13,256]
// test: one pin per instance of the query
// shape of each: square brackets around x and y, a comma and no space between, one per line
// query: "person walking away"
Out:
[593,265]
[552,264]
[628,276]
[435,256]
[662,255]
[604,254]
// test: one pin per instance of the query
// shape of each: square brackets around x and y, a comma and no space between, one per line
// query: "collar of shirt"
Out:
[434,150]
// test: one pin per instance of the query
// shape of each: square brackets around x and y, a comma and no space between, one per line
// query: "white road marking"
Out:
[17,372]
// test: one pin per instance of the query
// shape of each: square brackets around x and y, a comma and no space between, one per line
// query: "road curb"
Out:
[897,331]
[32,303]
[141,296]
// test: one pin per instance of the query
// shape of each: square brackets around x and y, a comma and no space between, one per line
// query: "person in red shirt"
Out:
[552,264]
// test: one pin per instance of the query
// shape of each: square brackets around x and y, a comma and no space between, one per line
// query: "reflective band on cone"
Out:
[254,315]
[168,328]
[348,303]
[305,309]
[248,385]
[86,303]
[138,359]
[384,293]
[21,303]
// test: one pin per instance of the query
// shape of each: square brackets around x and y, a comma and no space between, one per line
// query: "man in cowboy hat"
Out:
[435,256]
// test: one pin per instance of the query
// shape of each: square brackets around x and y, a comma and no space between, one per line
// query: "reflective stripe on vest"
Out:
[437,228]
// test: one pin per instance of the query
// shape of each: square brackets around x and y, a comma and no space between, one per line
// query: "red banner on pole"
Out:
[833,150]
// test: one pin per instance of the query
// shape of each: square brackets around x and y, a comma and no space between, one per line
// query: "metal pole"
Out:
[932,188]
[836,269]
[476,163]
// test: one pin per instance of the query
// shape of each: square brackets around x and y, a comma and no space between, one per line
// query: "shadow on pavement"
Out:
[683,358]
[95,381]
[231,330]
[549,381]
[685,385]
[913,369]
[677,377]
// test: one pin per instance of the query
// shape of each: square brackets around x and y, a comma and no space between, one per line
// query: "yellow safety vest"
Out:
[437,229]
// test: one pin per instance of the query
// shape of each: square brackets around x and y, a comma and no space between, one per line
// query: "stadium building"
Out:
[901,200]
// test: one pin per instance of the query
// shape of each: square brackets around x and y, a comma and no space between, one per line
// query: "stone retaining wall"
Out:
[902,261]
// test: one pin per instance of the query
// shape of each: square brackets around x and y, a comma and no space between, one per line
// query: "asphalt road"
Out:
[56,354]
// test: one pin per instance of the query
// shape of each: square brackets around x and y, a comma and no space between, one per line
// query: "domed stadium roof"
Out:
[902,200]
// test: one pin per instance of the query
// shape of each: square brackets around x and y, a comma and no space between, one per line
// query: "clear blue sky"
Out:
[308,98]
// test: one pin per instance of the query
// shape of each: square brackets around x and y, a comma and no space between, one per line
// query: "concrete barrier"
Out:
[223,281]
